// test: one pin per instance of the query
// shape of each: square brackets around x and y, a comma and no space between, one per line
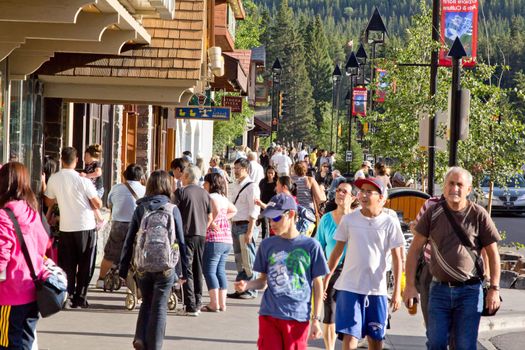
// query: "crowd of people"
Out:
[322,258]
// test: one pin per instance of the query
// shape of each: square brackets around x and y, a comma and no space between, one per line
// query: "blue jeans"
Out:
[238,230]
[454,311]
[215,254]
[151,323]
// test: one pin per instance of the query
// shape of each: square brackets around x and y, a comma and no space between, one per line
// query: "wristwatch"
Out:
[318,318]
[492,286]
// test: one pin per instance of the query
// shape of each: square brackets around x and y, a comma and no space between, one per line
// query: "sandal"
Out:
[206,308]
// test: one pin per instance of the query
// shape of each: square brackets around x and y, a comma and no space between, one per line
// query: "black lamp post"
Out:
[457,52]
[352,70]
[362,57]
[375,33]
[276,79]
[336,78]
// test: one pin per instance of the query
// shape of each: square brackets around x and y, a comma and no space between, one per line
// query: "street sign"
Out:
[234,102]
[349,156]
[205,113]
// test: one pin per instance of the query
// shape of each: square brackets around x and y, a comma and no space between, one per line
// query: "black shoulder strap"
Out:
[131,190]
[242,189]
[462,235]
[22,242]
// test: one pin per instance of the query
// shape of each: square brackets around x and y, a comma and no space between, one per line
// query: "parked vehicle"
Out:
[506,198]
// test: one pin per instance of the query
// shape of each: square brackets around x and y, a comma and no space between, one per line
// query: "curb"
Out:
[503,322]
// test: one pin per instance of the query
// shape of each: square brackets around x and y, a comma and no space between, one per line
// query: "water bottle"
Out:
[413,310]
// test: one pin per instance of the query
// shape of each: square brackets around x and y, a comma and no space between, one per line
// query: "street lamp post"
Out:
[276,79]
[457,51]
[336,77]
[352,70]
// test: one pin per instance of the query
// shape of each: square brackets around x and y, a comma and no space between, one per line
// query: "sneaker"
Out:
[246,295]
[234,295]
[182,312]
[100,283]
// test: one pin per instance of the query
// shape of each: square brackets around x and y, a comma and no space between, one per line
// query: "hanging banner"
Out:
[359,101]
[382,85]
[234,102]
[459,18]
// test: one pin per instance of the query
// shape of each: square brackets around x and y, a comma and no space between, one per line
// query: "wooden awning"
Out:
[237,68]
[162,73]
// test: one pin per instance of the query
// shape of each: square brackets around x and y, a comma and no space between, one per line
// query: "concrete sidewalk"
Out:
[108,325]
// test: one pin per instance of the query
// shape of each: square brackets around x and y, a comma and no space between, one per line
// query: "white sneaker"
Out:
[100,284]
[182,312]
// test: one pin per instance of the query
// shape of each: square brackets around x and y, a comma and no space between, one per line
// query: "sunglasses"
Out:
[278,218]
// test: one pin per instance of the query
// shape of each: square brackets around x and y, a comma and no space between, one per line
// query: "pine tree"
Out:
[319,66]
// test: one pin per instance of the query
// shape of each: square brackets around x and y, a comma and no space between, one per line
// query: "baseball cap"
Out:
[278,205]
[374,182]
[367,163]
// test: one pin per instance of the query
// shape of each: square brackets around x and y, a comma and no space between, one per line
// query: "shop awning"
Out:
[162,73]
[237,68]
[31,31]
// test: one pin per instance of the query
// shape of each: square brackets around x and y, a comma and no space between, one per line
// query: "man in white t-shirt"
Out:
[363,172]
[302,154]
[369,234]
[255,169]
[281,162]
[76,197]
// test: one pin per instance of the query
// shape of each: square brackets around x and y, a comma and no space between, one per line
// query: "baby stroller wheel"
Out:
[131,301]
[172,301]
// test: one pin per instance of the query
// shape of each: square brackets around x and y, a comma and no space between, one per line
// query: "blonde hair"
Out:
[95,151]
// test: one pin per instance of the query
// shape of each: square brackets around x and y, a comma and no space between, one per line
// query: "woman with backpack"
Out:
[218,242]
[155,219]
[18,305]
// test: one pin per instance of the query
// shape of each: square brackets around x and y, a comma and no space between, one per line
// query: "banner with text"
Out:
[459,18]
[206,113]
[359,101]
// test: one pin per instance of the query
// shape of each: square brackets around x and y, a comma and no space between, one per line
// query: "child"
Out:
[290,265]
[93,171]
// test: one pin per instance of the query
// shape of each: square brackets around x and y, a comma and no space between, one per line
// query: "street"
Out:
[513,227]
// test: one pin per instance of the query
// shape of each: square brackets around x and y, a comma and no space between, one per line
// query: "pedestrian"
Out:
[244,229]
[456,295]
[267,188]
[155,286]
[188,157]
[264,159]
[93,171]
[308,194]
[122,201]
[369,235]
[381,170]
[255,169]
[18,305]
[194,204]
[362,173]
[324,176]
[281,162]
[291,268]
[302,153]
[177,167]
[76,196]
[218,242]
[199,163]
[313,157]
[344,199]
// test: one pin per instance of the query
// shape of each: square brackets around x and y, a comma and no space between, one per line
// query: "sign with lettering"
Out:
[234,102]
[359,101]
[205,113]
[459,18]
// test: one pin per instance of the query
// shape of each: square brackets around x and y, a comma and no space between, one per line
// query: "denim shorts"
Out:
[361,315]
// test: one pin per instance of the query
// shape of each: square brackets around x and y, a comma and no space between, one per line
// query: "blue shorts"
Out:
[361,315]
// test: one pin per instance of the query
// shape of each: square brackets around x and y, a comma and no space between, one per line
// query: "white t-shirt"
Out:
[256,171]
[282,163]
[360,174]
[301,155]
[369,241]
[72,193]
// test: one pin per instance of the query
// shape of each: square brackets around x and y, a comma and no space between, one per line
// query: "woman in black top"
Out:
[324,177]
[267,186]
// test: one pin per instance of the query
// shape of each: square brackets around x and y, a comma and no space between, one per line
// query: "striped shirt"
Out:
[304,193]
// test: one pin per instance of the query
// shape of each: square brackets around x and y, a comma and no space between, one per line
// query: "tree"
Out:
[249,30]
[319,66]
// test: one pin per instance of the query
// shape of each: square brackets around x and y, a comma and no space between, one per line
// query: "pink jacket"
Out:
[18,288]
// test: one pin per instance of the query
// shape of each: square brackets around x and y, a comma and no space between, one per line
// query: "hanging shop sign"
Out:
[234,102]
[359,101]
[382,85]
[205,113]
[459,18]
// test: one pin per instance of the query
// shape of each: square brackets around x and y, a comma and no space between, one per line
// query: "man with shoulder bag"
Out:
[457,230]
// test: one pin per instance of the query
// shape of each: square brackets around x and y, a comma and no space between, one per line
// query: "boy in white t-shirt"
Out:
[369,234]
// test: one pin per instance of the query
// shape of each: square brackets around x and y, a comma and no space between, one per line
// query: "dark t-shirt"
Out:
[89,169]
[267,190]
[456,262]
[194,206]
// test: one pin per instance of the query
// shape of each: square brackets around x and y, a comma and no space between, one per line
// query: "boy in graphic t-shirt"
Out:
[291,266]
[368,234]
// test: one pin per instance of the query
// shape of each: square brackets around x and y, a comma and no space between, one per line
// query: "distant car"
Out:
[506,199]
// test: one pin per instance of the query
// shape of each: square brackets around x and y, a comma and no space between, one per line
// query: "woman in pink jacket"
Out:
[18,307]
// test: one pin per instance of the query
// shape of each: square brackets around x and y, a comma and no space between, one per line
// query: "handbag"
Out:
[51,284]
[477,260]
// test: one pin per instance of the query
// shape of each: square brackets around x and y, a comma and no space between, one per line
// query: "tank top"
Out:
[304,193]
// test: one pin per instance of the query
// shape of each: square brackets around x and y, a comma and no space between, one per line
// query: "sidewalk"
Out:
[108,325]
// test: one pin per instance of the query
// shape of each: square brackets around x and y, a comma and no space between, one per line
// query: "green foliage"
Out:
[225,132]
[249,30]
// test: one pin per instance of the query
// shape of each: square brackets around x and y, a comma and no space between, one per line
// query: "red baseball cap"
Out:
[374,182]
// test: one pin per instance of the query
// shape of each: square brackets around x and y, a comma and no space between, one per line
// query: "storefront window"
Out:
[20,122]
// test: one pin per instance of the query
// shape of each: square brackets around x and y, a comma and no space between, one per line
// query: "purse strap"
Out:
[462,235]
[131,190]
[23,245]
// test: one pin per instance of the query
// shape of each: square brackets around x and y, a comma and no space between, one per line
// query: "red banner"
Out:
[234,102]
[459,18]
[359,101]
[382,85]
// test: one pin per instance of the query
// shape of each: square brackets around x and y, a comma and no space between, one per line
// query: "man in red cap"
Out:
[369,234]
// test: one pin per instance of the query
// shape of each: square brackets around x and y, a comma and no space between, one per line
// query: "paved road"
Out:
[513,227]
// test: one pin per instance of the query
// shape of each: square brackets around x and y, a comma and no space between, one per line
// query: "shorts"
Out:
[361,315]
[279,334]
[115,242]
[329,302]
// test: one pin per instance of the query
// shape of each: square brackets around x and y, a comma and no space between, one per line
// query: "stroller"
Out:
[133,295]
